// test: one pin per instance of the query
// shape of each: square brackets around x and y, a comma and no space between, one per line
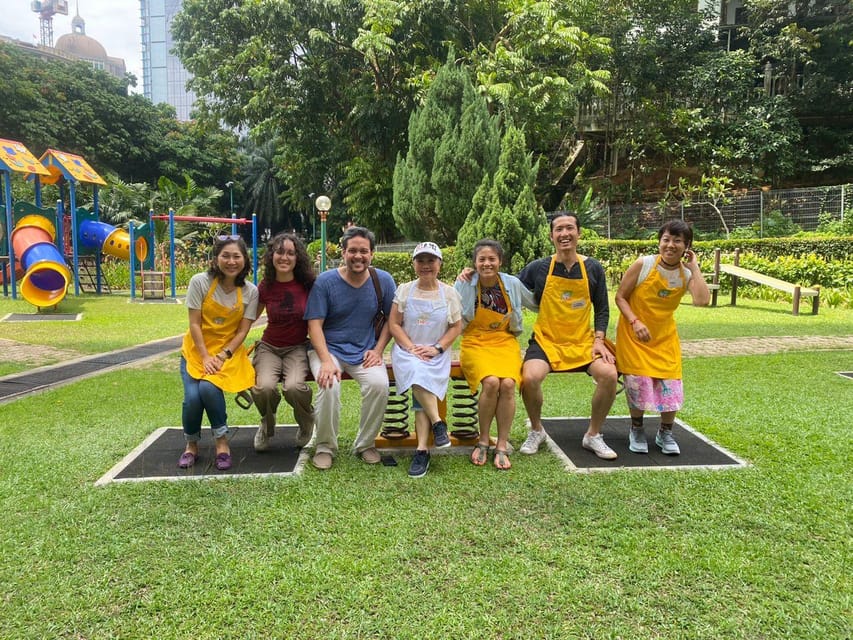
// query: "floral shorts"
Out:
[653,394]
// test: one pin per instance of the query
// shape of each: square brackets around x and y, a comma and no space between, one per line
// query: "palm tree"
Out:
[261,186]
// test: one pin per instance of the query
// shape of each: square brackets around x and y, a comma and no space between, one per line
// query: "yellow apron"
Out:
[654,302]
[488,348]
[218,326]
[562,327]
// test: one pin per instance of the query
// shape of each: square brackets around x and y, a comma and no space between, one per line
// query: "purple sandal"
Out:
[187,460]
[223,461]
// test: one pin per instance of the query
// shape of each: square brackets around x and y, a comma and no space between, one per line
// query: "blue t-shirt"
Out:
[348,312]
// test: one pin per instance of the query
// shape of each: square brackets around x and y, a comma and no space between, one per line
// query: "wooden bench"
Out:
[737,273]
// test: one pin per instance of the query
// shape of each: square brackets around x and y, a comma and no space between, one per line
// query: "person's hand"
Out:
[211,364]
[466,274]
[328,375]
[423,351]
[641,330]
[690,260]
[372,358]
[600,350]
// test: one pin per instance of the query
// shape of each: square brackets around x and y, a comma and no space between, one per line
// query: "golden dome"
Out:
[82,46]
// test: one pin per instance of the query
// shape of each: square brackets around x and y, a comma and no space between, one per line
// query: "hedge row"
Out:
[827,262]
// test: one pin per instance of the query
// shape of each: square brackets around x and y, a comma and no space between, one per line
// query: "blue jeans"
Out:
[201,396]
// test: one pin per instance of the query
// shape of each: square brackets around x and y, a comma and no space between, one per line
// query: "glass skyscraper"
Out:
[164,78]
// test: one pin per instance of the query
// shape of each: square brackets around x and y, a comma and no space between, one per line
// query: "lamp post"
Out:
[323,205]
[312,218]
[230,186]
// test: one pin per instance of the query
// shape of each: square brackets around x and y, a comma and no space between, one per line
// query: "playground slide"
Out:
[46,276]
[110,240]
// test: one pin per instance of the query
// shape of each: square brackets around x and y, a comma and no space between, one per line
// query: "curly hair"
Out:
[303,271]
[218,245]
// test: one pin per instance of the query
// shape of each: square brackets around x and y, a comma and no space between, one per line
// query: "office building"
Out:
[164,78]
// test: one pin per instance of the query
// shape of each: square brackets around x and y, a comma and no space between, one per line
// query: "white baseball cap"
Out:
[429,248]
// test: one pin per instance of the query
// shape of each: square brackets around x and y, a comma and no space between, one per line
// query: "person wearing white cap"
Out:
[425,319]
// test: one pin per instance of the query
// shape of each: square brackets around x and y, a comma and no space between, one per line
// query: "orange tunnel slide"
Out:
[46,276]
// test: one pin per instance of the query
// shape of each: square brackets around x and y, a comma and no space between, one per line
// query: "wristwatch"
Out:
[438,348]
[228,352]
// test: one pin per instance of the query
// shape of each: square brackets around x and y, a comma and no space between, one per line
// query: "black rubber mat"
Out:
[49,377]
[157,457]
[696,450]
[42,317]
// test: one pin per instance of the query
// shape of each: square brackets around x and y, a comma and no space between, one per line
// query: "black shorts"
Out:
[535,352]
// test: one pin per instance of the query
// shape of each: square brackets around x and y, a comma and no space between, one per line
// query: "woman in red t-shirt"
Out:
[281,355]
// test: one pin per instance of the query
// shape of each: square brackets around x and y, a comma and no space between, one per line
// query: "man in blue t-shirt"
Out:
[340,314]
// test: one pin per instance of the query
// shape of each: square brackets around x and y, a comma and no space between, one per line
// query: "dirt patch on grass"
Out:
[35,355]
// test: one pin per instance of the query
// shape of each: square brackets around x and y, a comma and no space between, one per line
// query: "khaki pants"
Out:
[288,366]
[373,382]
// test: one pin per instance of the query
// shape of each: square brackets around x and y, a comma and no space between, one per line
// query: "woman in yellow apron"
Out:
[222,307]
[490,354]
[648,352]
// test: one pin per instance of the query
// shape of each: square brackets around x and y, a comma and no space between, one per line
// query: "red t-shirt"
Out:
[285,304]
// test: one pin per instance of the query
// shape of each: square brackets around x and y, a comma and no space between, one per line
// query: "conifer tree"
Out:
[505,208]
[453,143]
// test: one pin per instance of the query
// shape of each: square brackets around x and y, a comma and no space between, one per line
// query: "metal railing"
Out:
[758,209]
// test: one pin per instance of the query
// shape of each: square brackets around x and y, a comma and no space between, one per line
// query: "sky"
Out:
[113,23]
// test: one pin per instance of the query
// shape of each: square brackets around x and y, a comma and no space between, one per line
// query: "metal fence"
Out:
[760,210]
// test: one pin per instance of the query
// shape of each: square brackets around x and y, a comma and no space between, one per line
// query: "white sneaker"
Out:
[533,442]
[598,446]
[262,442]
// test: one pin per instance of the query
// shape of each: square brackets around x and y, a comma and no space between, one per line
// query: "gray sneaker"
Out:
[598,446]
[666,441]
[637,440]
[533,442]
[440,437]
[262,442]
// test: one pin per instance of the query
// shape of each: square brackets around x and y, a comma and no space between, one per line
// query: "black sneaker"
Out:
[439,432]
[420,464]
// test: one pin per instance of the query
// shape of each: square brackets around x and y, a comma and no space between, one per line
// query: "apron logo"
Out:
[565,296]
[578,304]
[664,293]
[219,320]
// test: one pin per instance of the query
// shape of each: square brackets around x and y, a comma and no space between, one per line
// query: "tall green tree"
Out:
[505,208]
[434,183]
[72,107]
[337,80]
[806,50]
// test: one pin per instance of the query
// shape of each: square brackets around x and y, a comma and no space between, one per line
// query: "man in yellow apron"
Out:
[568,287]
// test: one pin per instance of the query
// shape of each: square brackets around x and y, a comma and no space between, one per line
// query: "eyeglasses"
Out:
[228,238]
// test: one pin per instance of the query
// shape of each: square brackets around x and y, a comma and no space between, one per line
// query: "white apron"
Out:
[424,321]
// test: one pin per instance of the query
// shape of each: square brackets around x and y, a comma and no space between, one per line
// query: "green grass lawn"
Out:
[358,551]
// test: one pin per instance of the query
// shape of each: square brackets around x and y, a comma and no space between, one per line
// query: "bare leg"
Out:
[505,411]
[605,375]
[422,429]
[532,374]
[429,403]
[487,406]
